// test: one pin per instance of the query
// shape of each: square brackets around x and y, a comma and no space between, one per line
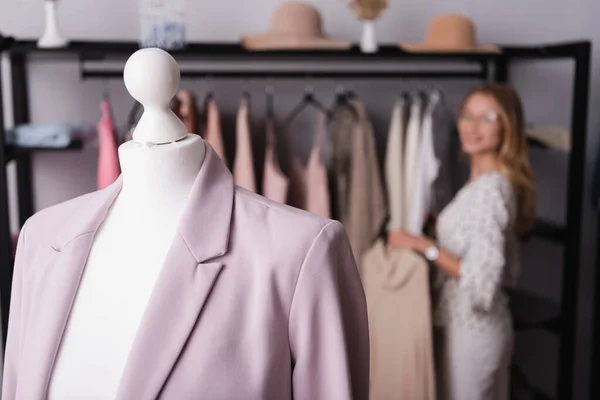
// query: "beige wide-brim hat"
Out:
[451,33]
[295,26]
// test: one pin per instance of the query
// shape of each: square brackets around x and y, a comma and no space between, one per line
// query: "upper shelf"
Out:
[117,49]
[351,63]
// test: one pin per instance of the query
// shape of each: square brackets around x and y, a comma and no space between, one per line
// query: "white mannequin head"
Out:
[152,77]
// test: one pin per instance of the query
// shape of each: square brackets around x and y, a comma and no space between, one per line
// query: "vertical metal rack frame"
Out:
[490,67]
[565,324]
[5,237]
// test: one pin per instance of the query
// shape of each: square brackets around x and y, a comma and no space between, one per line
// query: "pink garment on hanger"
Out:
[108,157]
[213,134]
[243,164]
[317,199]
[309,187]
[275,182]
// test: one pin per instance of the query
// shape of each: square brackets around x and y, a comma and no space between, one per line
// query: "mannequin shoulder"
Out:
[278,223]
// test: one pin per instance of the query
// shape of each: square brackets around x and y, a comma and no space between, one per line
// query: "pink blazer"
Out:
[256,300]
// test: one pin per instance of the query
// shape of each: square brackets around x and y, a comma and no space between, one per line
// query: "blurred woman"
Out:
[477,246]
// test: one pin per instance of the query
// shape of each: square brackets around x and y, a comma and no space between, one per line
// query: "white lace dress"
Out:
[477,227]
[477,339]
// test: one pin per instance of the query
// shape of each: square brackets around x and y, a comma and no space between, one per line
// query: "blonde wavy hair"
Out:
[512,154]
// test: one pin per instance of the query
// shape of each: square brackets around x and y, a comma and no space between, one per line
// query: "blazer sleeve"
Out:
[13,339]
[329,334]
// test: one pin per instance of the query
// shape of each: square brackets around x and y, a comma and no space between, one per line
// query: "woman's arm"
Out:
[446,261]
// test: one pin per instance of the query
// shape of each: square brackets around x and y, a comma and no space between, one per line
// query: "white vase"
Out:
[51,37]
[368,41]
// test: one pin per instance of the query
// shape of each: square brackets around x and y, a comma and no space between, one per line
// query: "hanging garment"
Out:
[187,110]
[309,187]
[411,156]
[244,301]
[109,168]
[396,284]
[447,150]
[213,135]
[243,164]
[359,180]
[317,186]
[344,125]
[275,182]
[394,159]
[425,172]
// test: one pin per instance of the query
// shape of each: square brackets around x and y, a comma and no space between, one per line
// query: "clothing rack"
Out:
[529,311]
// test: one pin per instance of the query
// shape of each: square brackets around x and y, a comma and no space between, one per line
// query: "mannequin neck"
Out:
[156,177]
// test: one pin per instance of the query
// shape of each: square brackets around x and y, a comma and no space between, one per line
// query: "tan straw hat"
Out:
[295,26]
[451,33]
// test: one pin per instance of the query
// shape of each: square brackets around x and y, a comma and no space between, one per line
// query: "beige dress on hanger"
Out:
[398,305]
[213,135]
[275,183]
[243,164]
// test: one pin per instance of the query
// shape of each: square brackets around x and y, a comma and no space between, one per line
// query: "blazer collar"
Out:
[205,223]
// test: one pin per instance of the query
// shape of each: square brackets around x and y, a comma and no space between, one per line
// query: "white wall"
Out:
[57,95]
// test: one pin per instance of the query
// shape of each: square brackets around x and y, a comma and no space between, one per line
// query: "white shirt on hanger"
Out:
[394,159]
[411,159]
[425,172]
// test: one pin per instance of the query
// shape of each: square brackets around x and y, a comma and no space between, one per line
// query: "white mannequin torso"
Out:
[125,261]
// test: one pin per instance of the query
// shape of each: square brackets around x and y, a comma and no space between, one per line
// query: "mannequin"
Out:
[159,167]
[173,283]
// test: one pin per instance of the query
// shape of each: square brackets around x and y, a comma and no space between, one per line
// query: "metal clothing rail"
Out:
[529,312]
[281,74]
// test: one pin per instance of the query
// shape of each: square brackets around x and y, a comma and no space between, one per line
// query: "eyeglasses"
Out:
[487,118]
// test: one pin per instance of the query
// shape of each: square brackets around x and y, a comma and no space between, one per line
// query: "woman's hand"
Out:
[402,240]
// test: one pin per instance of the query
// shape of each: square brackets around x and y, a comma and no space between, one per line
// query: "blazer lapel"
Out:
[184,286]
[176,303]
[56,286]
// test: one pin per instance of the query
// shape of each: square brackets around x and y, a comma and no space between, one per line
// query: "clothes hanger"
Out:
[308,100]
[342,99]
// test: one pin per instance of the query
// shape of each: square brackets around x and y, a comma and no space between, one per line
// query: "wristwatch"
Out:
[432,253]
